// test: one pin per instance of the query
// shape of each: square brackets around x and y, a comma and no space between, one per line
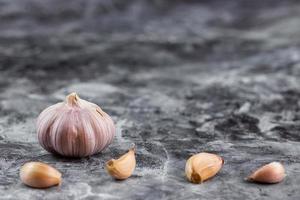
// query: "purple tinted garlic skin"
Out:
[75,128]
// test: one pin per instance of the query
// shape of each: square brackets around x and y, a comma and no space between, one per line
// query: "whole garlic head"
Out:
[74,128]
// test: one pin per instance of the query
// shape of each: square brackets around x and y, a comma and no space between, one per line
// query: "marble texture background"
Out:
[178,77]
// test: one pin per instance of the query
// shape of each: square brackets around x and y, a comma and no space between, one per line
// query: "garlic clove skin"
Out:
[75,128]
[123,167]
[39,175]
[202,166]
[271,173]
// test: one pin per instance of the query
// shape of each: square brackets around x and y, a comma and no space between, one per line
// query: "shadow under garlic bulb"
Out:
[75,128]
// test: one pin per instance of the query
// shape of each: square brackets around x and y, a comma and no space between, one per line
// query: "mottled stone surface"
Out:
[178,77]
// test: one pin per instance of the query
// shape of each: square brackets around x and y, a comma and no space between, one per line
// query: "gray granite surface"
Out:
[177,77]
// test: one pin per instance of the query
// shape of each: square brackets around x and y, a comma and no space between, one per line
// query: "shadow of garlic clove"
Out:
[271,173]
[123,167]
[39,175]
[202,166]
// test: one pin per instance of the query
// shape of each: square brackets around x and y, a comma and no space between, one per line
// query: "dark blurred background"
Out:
[53,39]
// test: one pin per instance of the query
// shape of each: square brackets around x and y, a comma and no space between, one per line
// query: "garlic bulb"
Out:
[271,173]
[202,166]
[123,167]
[39,175]
[74,128]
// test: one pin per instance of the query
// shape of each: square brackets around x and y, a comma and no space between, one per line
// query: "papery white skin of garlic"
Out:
[75,128]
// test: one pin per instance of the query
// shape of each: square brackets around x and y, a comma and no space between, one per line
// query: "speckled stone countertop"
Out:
[177,77]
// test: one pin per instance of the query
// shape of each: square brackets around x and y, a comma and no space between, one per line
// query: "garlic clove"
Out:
[123,167]
[75,128]
[271,173]
[39,175]
[202,166]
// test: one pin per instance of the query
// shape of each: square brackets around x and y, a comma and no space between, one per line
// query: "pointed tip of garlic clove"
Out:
[222,160]
[271,173]
[133,148]
[72,98]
